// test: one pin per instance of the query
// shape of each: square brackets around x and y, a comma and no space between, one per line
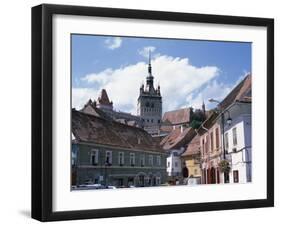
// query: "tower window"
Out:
[151,120]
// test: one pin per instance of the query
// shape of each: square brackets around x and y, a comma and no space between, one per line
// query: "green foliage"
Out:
[224,166]
[195,124]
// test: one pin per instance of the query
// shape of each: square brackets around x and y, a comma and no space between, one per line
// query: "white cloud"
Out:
[178,80]
[113,43]
[145,51]
[213,89]
[80,96]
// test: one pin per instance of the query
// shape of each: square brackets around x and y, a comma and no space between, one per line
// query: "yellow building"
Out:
[191,160]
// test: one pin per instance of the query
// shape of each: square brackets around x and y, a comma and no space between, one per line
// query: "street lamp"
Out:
[229,120]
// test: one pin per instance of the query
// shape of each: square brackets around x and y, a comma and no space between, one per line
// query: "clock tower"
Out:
[150,104]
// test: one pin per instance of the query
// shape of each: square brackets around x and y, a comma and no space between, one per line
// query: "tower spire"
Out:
[203,108]
[149,62]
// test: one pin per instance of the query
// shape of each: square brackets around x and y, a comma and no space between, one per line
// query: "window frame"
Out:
[150,160]
[94,152]
[234,138]
[132,159]
[121,158]
[110,157]
[235,174]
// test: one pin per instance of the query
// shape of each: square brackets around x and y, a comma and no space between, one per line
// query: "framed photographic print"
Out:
[145,112]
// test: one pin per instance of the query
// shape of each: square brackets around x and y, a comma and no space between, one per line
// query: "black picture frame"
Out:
[42,111]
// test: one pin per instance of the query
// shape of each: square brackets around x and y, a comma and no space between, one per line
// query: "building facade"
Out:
[238,142]
[211,150]
[114,154]
[191,159]
[175,144]
[174,165]
[225,138]
[149,106]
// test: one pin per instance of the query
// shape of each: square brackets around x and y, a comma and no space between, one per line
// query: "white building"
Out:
[174,166]
[238,141]
[175,144]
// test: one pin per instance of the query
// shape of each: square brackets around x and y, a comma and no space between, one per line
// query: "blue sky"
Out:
[188,71]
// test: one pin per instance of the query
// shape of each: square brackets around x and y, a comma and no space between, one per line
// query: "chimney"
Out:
[182,128]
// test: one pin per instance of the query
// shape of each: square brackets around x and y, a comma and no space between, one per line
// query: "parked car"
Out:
[89,185]
[111,187]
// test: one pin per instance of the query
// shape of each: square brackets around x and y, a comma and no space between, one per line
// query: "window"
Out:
[203,146]
[217,138]
[142,160]
[151,120]
[132,159]
[108,157]
[168,164]
[226,143]
[94,157]
[176,164]
[212,141]
[235,176]
[150,159]
[158,159]
[121,158]
[158,180]
[206,144]
[158,121]
[226,177]
[234,136]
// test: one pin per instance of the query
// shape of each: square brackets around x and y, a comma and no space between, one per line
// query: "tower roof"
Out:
[103,98]
[149,64]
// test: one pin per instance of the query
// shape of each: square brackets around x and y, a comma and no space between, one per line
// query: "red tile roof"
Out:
[176,117]
[177,138]
[90,108]
[242,92]
[209,122]
[193,147]
[92,129]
